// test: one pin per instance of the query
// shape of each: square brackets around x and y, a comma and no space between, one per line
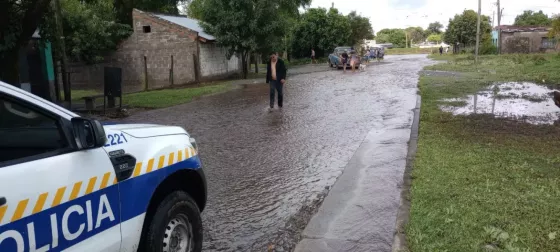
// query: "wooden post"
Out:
[171,72]
[62,51]
[477,34]
[196,68]
[146,86]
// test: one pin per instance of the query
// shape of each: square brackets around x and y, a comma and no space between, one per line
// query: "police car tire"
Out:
[178,202]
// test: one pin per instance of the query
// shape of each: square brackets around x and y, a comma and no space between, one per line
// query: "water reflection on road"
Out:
[263,167]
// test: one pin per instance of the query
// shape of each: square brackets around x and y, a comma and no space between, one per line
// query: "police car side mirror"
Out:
[88,133]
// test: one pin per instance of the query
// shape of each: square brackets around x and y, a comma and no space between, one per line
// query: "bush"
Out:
[487,48]
[539,60]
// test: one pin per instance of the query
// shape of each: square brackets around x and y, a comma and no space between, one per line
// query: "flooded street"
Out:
[264,170]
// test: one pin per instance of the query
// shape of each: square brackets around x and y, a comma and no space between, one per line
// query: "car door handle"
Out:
[2,201]
[124,166]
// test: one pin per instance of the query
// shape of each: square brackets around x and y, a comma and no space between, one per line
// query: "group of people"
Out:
[353,57]
[375,53]
[441,49]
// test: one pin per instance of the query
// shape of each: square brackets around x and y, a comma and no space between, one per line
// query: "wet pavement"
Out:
[523,101]
[269,172]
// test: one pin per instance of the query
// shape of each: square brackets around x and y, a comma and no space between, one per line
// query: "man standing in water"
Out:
[313,56]
[276,76]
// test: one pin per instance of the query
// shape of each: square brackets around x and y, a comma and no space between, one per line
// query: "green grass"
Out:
[480,182]
[170,97]
[400,51]
[79,94]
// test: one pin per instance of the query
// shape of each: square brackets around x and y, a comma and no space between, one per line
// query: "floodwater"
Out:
[268,172]
[524,101]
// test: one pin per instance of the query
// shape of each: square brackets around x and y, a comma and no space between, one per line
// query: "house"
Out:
[163,50]
[526,39]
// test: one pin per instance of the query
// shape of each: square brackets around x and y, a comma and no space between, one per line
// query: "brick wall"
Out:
[143,50]
[524,42]
[215,64]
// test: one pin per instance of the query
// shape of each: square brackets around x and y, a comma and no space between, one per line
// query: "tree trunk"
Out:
[256,63]
[244,64]
[9,67]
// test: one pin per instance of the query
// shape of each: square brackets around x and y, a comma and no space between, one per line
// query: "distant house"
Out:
[163,50]
[525,39]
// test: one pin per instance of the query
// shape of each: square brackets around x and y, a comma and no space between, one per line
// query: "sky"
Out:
[405,13]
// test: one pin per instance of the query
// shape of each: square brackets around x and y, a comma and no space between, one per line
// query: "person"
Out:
[313,56]
[276,77]
[353,61]
[379,52]
[446,50]
[440,50]
[344,60]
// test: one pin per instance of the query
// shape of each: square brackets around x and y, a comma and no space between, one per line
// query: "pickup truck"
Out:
[69,183]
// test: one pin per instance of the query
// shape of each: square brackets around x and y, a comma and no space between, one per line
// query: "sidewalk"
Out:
[360,211]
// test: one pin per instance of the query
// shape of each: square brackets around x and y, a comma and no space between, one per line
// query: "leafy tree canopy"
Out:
[90,29]
[360,28]
[462,28]
[322,30]
[436,38]
[532,18]
[415,34]
[18,21]
[395,36]
[435,27]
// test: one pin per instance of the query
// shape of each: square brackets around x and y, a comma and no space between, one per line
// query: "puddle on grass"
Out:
[517,100]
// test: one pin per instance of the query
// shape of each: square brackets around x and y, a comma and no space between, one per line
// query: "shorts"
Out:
[312,57]
[344,61]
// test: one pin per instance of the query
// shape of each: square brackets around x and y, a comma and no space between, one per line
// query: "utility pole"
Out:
[500,11]
[405,39]
[477,34]
[62,52]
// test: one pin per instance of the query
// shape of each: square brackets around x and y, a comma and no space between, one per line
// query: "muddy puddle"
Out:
[524,101]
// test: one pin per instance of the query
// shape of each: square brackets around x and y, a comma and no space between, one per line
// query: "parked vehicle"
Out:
[335,58]
[70,183]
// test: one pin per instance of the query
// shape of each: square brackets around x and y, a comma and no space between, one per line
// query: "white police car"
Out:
[69,183]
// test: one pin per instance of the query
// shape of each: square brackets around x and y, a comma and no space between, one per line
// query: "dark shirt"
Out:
[280,71]
[344,55]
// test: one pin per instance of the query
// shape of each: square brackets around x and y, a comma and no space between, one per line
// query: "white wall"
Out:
[214,62]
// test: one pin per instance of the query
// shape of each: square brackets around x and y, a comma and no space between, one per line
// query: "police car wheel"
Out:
[176,225]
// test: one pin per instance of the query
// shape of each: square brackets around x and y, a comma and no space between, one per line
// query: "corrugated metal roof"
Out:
[526,28]
[187,23]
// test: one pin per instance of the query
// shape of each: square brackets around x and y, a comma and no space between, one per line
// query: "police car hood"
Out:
[145,130]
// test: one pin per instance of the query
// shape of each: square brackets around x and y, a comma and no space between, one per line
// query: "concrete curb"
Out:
[399,242]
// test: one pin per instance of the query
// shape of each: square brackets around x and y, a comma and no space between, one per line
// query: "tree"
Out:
[322,30]
[435,27]
[415,34]
[555,31]
[395,36]
[194,8]
[242,26]
[532,18]
[18,21]
[436,38]
[462,28]
[90,29]
[360,28]
[382,38]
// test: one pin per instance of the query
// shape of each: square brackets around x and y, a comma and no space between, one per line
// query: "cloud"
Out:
[409,4]
[405,13]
